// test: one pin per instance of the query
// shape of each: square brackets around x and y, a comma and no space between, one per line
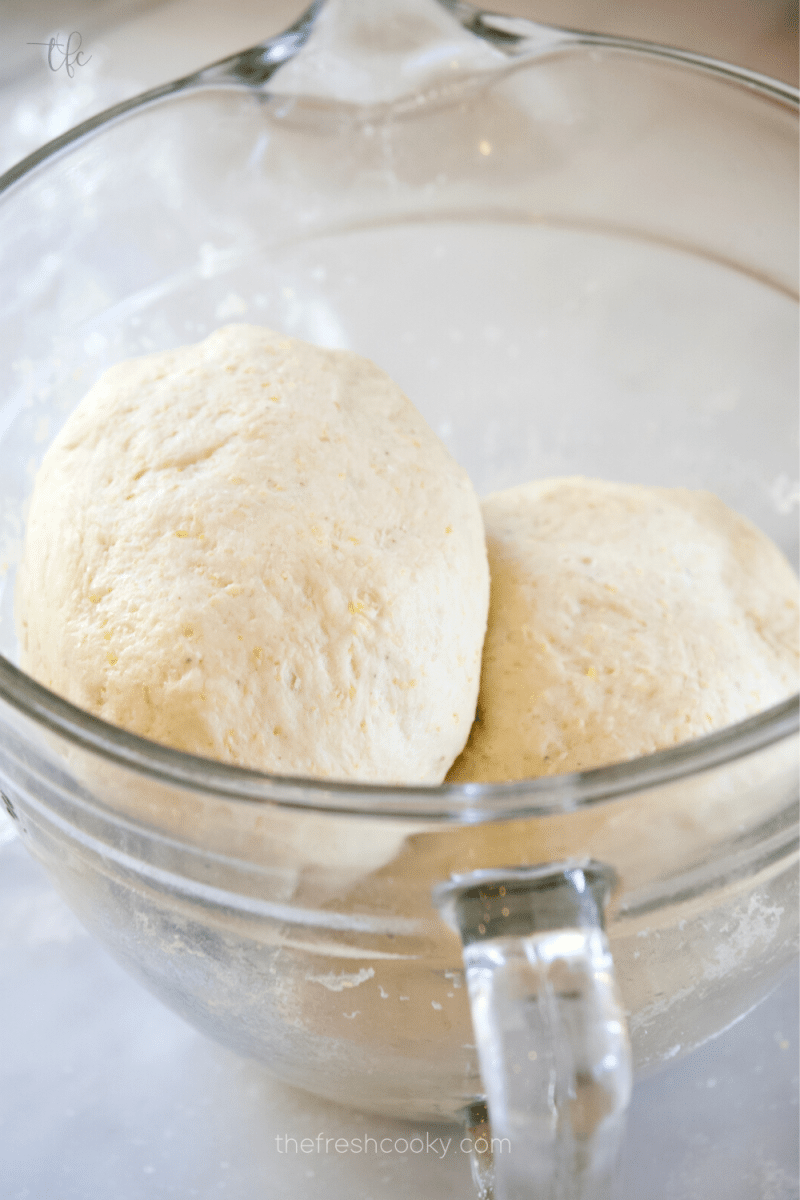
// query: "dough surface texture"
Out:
[256,550]
[623,620]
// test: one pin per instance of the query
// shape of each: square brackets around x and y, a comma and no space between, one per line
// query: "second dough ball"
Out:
[623,620]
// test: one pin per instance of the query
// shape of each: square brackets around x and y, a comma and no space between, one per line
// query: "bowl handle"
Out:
[550,1030]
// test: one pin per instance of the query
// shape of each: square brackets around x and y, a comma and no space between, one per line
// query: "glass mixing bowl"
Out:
[577,256]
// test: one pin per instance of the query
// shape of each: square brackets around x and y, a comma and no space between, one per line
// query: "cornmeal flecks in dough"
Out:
[623,620]
[244,518]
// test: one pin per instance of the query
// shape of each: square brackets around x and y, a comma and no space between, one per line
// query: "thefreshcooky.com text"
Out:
[440,1146]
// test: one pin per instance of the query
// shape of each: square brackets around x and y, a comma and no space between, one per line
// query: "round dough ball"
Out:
[623,619]
[256,550]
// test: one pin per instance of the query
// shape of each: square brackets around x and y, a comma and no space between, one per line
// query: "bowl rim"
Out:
[523,42]
[470,803]
[462,803]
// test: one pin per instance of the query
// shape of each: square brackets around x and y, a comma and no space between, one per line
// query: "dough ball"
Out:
[256,550]
[623,619]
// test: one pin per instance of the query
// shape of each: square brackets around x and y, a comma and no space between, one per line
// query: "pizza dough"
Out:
[623,620]
[256,550]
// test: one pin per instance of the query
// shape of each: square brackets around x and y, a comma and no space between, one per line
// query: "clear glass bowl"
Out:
[577,256]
